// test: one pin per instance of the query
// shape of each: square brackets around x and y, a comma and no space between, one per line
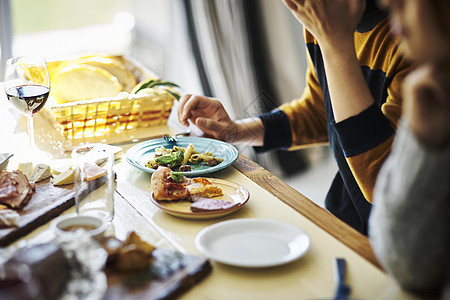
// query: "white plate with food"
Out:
[252,243]
[233,198]
[202,153]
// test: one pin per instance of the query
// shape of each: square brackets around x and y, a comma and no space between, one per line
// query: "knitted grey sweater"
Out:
[409,226]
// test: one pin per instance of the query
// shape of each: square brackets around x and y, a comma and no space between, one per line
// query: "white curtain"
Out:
[220,27]
[222,32]
[286,48]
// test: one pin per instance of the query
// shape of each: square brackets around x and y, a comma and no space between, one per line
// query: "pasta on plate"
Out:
[182,159]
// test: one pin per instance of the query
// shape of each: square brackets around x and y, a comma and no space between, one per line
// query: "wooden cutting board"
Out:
[47,203]
[171,274]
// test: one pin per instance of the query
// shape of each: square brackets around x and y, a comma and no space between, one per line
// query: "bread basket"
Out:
[100,116]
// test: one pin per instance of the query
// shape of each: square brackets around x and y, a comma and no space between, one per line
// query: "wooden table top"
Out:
[309,277]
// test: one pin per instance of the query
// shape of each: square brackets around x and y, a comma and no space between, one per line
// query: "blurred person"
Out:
[352,100]
[410,222]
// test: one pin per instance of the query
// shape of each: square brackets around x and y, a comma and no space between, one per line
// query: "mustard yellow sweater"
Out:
[361,143]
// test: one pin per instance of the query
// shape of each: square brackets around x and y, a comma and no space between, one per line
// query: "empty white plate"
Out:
[252,242]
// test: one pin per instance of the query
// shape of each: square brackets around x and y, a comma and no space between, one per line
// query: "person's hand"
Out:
[427,105]
[209,115]
[331,22]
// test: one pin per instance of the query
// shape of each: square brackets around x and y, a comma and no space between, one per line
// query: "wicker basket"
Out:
[97,117]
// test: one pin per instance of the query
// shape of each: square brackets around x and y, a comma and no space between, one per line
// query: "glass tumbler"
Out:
[94,182]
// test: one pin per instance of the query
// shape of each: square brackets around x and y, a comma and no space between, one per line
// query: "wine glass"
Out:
[27,86]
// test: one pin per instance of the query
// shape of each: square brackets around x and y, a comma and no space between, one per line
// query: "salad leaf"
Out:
[172,160]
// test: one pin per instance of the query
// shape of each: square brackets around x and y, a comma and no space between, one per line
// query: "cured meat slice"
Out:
[208,204]
[15,189]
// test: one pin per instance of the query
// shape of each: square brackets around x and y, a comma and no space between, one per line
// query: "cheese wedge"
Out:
[40,172]
[81,82]
[26,168]
[56,170]
[92,171]
[117,69]
[57,166]
[66,177]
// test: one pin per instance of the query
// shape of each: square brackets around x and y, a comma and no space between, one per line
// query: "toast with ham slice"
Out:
[169,186]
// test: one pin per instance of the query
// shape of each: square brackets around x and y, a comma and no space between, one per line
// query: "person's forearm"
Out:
[249,130]
[348,89]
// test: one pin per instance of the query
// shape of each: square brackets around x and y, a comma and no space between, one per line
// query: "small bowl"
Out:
[4,159]
[94,226]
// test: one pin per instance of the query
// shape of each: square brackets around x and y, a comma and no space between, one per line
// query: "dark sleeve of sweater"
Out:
[277,131]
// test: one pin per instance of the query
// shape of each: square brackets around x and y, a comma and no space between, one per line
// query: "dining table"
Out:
[310,276]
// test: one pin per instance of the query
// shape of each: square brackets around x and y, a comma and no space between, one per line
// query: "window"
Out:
[59,28]
[65,27]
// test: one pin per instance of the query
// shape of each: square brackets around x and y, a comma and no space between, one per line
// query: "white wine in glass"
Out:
[27,86]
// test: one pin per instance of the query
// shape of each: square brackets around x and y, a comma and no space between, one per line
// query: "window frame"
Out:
[5,33]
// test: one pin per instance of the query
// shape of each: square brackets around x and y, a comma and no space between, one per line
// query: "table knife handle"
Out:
[342,289]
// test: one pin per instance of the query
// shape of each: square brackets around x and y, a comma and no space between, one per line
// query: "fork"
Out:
[173,138]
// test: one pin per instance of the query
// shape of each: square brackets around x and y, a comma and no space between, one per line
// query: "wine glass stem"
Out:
[30,132]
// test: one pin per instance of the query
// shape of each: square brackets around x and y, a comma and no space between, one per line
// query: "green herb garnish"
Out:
[163,85]
[176,176]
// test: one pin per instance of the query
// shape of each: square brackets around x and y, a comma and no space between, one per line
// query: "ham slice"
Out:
[15,189]
[208,204]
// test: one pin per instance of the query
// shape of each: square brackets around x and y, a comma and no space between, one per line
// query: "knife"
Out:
[342,289]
